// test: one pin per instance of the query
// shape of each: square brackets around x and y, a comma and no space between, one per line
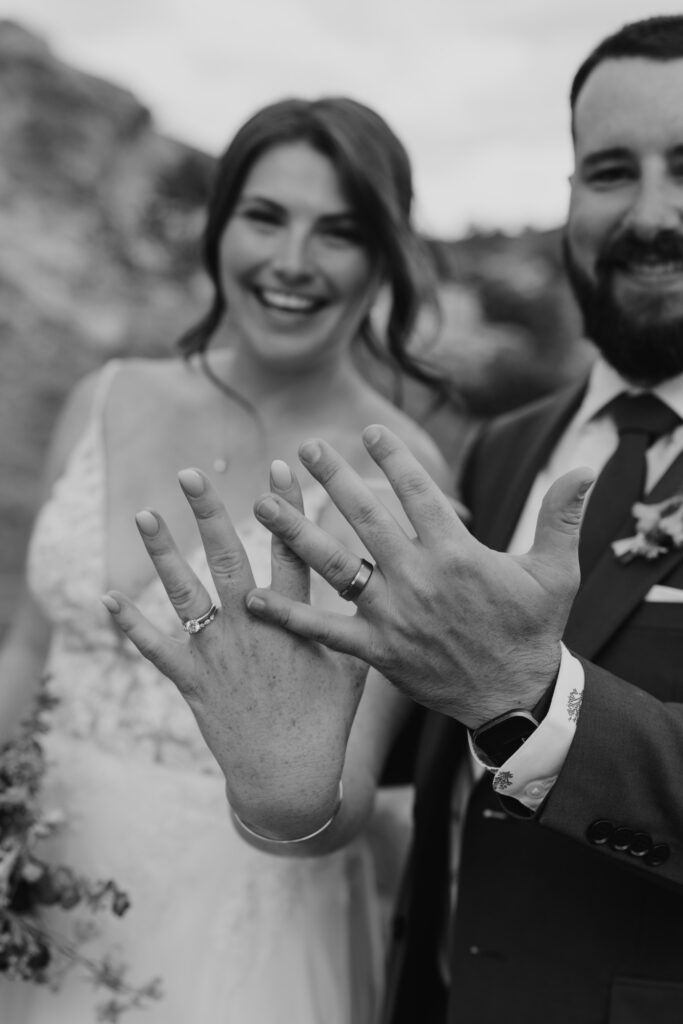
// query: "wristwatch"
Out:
[500,738]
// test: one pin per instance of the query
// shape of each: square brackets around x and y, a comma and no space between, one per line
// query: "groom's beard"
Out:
[644,345]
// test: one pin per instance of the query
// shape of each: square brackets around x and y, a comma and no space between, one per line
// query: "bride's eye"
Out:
[261,216]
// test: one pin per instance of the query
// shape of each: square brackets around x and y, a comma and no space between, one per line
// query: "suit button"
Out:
[599,832]
[621,839]
[641,844]
[657,855]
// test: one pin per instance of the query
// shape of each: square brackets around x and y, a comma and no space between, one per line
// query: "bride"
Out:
[309,218]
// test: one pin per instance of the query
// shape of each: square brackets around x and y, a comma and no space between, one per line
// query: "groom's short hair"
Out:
[659,38]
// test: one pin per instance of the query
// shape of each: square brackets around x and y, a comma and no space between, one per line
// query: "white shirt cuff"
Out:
[531,772]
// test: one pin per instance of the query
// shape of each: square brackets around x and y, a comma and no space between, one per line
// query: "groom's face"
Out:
[624,237]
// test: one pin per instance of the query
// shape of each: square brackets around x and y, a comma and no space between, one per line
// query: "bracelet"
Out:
[300,839]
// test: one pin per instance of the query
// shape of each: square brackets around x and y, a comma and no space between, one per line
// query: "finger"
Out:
[288,573]
[429,510]
[348,634]
[167,655]
[381,534]
[559,520]
[186,592]
[314,546]
[225,555]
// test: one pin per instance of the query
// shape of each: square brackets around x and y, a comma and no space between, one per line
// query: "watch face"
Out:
[500,739]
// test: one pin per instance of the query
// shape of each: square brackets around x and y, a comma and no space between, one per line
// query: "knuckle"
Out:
[205,512]
[327,472]
[283,615]
[321,634]
[335,568]
[365,514]
[285,556]
[181,593]
[412,485]
[292,527]
[226,564]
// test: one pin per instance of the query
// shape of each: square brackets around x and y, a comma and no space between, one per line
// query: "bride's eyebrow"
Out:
[257,200]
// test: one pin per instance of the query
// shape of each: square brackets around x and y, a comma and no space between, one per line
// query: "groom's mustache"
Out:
[631,251]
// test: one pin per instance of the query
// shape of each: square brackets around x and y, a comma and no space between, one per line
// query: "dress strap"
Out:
[102,388]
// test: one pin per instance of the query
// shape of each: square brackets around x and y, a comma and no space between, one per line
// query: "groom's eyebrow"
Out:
[598,156]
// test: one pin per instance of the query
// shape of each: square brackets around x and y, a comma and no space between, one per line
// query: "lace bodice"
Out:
[107,692]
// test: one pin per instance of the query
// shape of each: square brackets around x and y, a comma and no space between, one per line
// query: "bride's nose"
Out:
[292,258]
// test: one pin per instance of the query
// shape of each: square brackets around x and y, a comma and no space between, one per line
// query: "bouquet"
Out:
[28,950]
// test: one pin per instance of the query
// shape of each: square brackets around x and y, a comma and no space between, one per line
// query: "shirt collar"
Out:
[604,384]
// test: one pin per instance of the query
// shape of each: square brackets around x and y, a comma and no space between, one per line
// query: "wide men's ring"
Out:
[359,581]
[200,623]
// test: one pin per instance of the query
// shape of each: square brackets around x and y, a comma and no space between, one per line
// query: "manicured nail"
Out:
[110,603]
[310,452]
[147,523]
[191,482]
[267,509]
[255,604]
[281,474]
[371,435]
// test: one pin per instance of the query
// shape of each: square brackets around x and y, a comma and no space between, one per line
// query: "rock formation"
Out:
[99,216]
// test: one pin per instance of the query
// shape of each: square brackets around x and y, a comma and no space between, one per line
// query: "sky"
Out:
[476,89]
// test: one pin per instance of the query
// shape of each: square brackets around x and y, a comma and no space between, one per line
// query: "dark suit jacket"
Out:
[553,927]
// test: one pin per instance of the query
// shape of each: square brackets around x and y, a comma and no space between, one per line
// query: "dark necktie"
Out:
[640,420]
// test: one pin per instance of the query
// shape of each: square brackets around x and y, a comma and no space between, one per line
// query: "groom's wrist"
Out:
[499,738]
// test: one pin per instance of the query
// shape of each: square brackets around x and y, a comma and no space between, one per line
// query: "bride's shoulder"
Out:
[145,388]
[151,375]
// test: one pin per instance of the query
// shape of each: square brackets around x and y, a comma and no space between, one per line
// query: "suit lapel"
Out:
[613,591]
[531,442]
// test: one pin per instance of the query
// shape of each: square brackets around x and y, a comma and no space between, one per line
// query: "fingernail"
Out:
[255,604]
[371,435]
[281,474]
[110,603]
[267,509]
[147,523]
[191,482]
[310,452]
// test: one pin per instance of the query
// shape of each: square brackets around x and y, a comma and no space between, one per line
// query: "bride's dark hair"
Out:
[375,174]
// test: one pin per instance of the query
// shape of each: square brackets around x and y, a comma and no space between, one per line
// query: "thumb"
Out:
[559,520]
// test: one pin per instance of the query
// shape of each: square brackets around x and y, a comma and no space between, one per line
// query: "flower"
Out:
[28,951]
[659,529]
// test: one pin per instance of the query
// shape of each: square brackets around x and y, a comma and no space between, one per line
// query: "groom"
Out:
[569,901]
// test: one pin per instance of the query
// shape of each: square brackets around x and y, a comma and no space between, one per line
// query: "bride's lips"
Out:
[288,302]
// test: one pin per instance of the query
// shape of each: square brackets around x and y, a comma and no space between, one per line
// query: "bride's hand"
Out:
[274,709]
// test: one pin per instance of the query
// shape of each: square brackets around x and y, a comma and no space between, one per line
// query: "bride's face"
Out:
[296,273]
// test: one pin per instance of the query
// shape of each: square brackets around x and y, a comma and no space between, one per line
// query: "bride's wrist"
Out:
[289,828]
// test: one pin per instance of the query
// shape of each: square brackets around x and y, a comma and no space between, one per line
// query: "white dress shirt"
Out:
[589,440]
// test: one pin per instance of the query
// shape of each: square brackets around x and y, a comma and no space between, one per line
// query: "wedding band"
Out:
[200,623]
[359,581]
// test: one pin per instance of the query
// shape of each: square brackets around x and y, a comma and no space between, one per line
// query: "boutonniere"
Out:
[659,529]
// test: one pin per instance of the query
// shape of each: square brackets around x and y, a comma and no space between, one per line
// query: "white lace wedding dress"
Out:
[236,936]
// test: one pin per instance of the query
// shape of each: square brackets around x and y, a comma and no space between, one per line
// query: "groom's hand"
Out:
[458,627]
